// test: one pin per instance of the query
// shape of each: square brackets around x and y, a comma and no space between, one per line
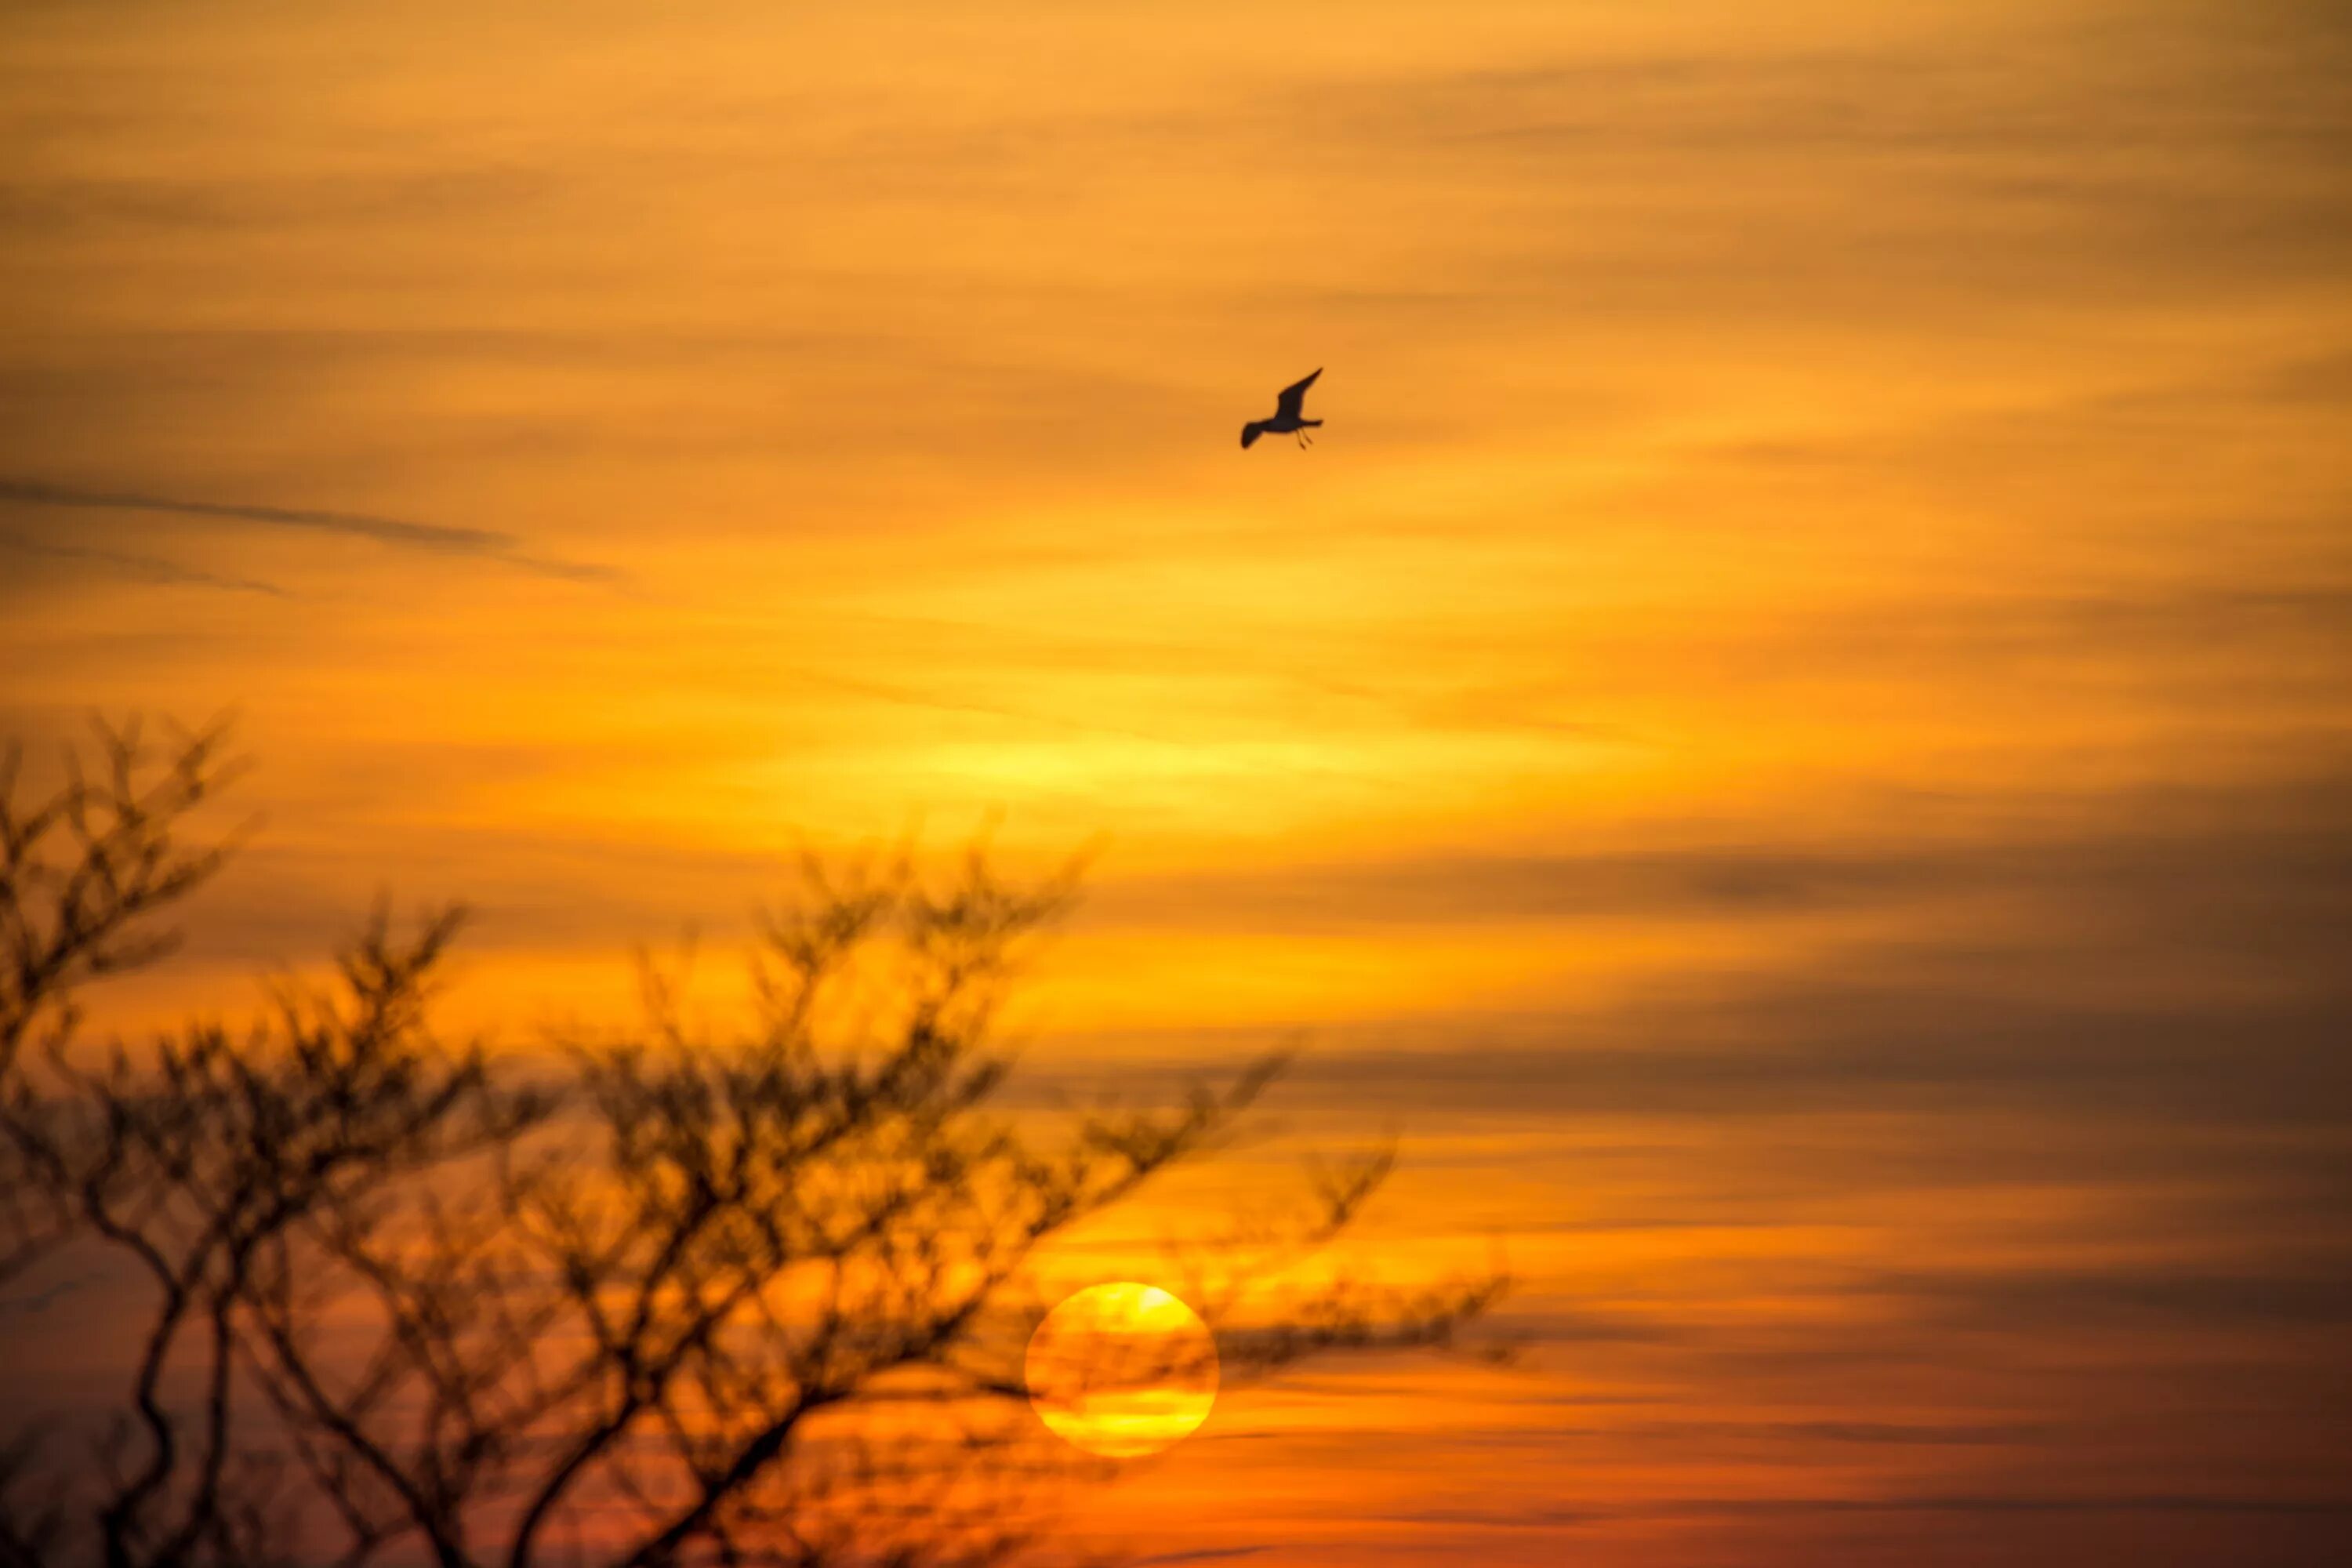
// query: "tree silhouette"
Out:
[748,1292]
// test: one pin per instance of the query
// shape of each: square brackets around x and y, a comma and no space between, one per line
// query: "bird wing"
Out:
[1294,398]
[1251,432]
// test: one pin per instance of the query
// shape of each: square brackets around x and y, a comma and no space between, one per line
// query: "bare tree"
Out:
[192,1159]
[699,1294]
[84,871]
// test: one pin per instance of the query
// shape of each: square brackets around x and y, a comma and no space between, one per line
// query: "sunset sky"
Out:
[1792,739]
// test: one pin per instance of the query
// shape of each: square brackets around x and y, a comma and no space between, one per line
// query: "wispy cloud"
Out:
[144,568]
[482,543]
[1737,1508]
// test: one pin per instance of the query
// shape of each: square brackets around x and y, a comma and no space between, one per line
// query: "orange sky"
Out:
[1791,733]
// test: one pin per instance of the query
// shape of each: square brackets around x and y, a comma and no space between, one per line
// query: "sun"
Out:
[1122,1370]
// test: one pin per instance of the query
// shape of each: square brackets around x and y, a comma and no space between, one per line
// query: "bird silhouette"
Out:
[1286,420]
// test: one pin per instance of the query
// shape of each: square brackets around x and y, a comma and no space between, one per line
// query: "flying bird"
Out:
[1286,420]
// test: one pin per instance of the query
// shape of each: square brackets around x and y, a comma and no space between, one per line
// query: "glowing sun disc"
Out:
[1122,1370]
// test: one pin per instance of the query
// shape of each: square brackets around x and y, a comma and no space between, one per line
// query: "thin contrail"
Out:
[144,568]
[480,542]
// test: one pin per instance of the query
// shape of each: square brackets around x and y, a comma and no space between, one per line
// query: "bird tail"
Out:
[1251,432]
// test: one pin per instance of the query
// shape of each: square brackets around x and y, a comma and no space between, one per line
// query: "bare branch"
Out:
[687,1283]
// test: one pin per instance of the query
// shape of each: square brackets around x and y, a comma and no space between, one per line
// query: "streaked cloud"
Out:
[137,567]
[504,548]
